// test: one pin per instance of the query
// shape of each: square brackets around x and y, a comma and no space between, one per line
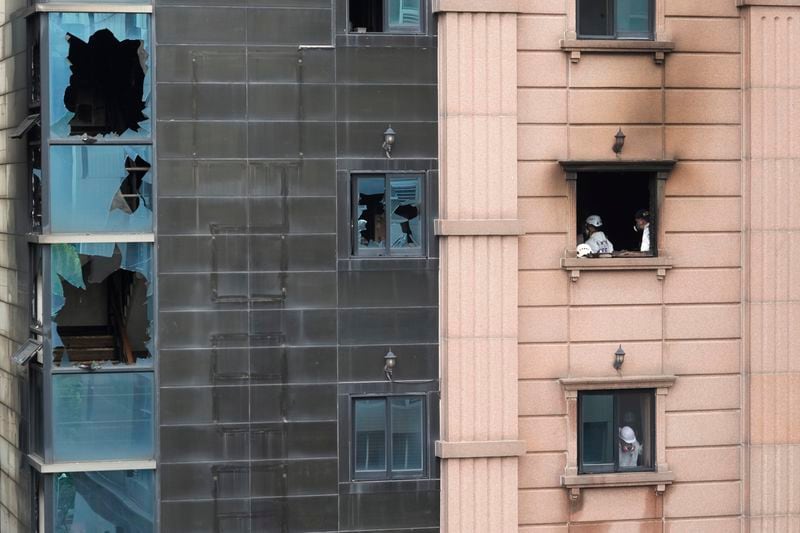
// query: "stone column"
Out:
[772,166]
[478,244]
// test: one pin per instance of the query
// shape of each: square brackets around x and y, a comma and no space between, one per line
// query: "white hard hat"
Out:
[594,220]
[627,434]
[583,250]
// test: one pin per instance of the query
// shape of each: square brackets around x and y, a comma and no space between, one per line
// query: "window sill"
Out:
[576,46]
[574,265]
[633,479]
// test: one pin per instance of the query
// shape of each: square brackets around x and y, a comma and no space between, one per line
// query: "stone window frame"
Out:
[660,169]
[659,45]
[659,477]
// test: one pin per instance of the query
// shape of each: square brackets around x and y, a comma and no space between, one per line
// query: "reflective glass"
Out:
[403,15]
[634,445]
[100,189]
[405,231]
[100,75]
[103,416]
[632,17]
[101,301]
[104,502]
[594,18]
[597,432]
[371,213]
[370,436]
[407,435]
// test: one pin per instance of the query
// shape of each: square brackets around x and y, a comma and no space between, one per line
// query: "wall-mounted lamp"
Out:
[619,142]
[390,360]
[619,357]
[389,136]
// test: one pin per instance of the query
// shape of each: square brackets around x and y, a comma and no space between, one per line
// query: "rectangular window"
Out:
[385,16]
[388,437]
[118,501]
[103,416]
[616,431]
[101,189]
[614,213]
[615,19]
[388,215]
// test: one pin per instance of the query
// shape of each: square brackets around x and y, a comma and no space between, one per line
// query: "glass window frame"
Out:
[388,473]
[651,434]
[397,29]
[615,34]
[654,203]
[387,250]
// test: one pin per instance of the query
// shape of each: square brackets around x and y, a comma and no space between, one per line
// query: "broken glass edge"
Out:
[59,50]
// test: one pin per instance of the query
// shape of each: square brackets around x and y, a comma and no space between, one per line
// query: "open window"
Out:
[615,19]
[101,304]
[613,200]
[99,75]
[388,215]
[616,431]
[388,437]
[385,16]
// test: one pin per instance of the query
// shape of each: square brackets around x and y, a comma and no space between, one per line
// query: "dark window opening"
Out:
[616,431]
[106,90]
[388,437]
[366,16]
[129,196]
[615,19]
[616,198]
[394,16]
[103,314]
[388,215]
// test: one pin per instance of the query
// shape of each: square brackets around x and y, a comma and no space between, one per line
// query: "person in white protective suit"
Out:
[597,240]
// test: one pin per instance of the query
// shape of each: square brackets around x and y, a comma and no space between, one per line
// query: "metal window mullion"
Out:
[615,437]
[387,218]
[612,30]
[389,438]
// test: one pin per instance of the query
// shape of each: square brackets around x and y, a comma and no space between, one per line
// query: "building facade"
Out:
[317,265]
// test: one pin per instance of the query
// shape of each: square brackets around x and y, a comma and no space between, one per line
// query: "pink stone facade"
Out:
[723,100]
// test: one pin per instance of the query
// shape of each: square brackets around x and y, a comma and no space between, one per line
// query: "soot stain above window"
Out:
[106,89]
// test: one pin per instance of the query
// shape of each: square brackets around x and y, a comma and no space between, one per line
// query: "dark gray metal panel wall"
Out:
[267,323]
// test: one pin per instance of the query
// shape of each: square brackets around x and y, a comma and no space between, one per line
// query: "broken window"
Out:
[35,168]
[100,75]
[388,214]
[613,200]
[102,416]
[100,188]
[101,304]
[121,501]
[395,16]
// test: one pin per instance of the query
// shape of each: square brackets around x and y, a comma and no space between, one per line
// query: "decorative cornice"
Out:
[768,3]
[491,227]
[476,6]
[475,449]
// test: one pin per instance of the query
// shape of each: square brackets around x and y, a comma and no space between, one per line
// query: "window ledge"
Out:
[576,46]
[633,479]
[574,265]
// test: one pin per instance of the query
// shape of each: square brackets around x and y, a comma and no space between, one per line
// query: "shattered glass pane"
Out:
[121,501]
[101,304]
[406,206]
[103,416]
[100,75]
[101,188]
[371,215]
